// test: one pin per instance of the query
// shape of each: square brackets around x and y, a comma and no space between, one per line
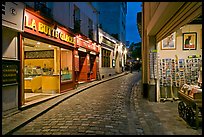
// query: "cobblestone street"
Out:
[102,68]
[103,109]
[109,108]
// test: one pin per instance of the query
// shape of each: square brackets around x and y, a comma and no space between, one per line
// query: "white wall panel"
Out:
[9,44]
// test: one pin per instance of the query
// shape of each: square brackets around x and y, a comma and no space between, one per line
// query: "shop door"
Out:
[92,67]
[82,67]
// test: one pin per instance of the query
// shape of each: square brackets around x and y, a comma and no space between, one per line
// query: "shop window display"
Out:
[66,65]
[41,67]
[176,73]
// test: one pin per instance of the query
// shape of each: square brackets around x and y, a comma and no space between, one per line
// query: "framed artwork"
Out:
[169,43]
[189,41]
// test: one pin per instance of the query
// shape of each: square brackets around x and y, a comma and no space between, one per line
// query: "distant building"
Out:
[113,55]
[127,43]
[112,18]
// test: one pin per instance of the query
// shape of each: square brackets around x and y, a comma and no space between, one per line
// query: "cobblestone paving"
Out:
[105,109]
[160,118]
[115,107]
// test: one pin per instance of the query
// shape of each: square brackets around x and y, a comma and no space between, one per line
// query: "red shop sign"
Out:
[41,27]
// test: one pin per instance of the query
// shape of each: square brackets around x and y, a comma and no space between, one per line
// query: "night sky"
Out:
[132,33]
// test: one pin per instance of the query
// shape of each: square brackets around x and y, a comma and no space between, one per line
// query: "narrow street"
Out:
[102,68]
[103,109]
[114,107]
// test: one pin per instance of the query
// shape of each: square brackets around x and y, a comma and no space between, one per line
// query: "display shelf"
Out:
[153,64]
[192,70]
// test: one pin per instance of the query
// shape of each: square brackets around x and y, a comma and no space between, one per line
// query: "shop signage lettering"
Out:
[67,38]
[49,31]
[32,25]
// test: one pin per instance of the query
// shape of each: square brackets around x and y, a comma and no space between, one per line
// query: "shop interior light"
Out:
[38,43]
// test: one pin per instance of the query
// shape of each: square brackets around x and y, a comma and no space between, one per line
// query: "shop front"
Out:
[178,63]
[167,54]
[87,52]
[46,51]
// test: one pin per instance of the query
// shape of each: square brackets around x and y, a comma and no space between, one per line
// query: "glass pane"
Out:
[66,64]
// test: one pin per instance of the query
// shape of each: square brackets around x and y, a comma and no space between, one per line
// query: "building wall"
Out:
[108,10]
[106,71]
[87,11]
[9,52]
[63,12]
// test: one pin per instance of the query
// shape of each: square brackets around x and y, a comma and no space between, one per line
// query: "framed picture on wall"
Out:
[189,41]
[169,43]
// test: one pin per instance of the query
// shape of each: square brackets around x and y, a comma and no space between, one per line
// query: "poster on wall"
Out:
[169,43]
[189,41]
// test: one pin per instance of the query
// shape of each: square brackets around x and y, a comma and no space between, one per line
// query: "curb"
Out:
[63,96]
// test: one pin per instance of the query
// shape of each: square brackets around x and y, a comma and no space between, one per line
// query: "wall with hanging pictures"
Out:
[177,72]
[179,48]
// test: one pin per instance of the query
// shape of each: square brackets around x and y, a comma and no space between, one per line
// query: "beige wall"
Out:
[179,38]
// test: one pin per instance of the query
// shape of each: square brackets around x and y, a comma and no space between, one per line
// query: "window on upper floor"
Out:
[42,7]
[77,21]
[90,27]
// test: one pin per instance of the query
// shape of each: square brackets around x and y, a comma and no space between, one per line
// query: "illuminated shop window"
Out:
[66,64]
[41,67]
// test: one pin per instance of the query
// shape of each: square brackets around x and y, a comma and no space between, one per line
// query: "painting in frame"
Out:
[190,41]
[169,43]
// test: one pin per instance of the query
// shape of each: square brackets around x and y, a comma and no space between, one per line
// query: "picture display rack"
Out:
[192,70]
[153,63]
[167,72]
[181,80]
[174,73]
[167,77]
[181,71]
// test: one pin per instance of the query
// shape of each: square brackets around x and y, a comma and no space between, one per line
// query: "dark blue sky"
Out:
[132,33]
